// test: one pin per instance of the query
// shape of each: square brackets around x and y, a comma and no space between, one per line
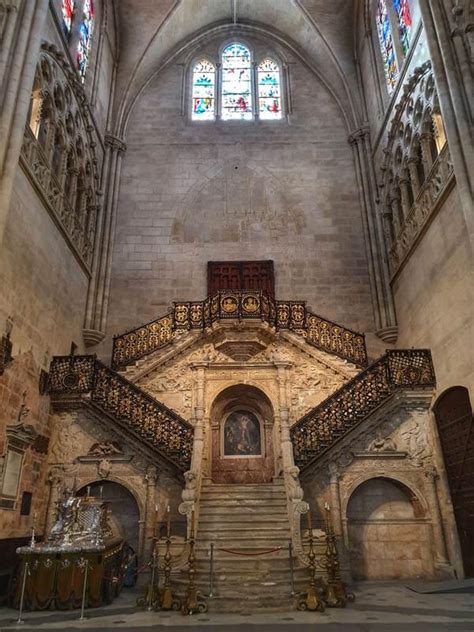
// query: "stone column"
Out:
[55,479]
[286,447]
[150,512]
[198,444]
[405,196]
[425,142]
[439,542]
[23,35]
[99,287]
[383,306]
[455,96]
[397,213]
[336,514]
[415,180]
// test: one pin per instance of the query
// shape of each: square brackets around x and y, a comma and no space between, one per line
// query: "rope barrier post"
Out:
[84,588]
[26,572]
[211,572]
[292,576]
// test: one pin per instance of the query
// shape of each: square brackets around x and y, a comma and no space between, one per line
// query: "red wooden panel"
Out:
[241,275]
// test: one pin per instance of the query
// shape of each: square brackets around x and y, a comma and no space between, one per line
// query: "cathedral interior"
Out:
[236,306]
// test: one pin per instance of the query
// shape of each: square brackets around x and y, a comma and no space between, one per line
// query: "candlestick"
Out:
[88,491]
[308,516]
[168,522]
[192,523]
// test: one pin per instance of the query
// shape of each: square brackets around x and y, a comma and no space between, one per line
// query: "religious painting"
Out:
[242,434]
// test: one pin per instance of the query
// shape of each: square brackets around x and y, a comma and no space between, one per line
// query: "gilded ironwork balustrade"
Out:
[149,420]
[321,427]
[240,305]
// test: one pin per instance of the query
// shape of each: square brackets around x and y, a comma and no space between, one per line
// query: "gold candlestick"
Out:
[335,594]
[168,601]
[194,603]
[311,599]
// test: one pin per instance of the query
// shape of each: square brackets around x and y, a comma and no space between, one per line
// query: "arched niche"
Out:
[455,423]
[242,436]
[124,509]
[389,535]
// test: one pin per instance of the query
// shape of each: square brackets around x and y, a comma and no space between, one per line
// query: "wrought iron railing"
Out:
[321,427]
[240,305]
[130,407]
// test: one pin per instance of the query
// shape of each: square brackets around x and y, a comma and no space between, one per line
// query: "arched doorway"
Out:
[453,413]
[388,536]
[242,436]
[125,513]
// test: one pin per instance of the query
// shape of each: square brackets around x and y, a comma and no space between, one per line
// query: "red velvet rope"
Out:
[279,548]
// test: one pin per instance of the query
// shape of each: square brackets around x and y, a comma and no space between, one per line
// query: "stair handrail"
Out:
[186,316]
[326,423]
[131,407]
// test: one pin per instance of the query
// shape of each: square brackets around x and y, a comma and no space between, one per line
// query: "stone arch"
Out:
[388,533]
[242,415]
[125,505]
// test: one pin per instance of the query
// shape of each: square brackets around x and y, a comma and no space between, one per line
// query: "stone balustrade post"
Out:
[198,444]
[405,196]
[286,447]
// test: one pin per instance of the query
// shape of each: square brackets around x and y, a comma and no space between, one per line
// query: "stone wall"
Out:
[283,190]
[434,295]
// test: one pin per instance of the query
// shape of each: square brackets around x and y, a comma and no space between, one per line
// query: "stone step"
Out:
[258,520]
[250,503]
[232,533]
[243,488]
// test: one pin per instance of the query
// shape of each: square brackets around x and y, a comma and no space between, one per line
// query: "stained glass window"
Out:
[68,12]
[269,92]
[236,83]
[204,85]
[404,23]
[386,44]
[85,37]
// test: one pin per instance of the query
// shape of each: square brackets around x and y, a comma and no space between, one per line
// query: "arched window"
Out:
[384,30]
[204,91]
[67,14]
[269,91]
[404,23]
[394,28]
[85,37]
[236,83]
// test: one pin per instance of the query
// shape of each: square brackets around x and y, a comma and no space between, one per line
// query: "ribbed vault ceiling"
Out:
[321,31]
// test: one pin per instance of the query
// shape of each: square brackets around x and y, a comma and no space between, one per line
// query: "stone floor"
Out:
[384,607]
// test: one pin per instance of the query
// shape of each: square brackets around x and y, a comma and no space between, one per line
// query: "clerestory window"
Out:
[236,88]
[394,29]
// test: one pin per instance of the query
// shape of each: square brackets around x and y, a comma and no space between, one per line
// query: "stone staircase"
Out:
[249,519]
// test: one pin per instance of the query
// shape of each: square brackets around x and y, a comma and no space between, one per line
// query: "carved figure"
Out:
[104,467]
[417,444]
[295,491]
[382,444]
[105,448]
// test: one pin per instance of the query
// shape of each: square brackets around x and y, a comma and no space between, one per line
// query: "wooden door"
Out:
[453,414]
[241,275]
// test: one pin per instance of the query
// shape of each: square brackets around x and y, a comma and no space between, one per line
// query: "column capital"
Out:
[115,143]
[358,135]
